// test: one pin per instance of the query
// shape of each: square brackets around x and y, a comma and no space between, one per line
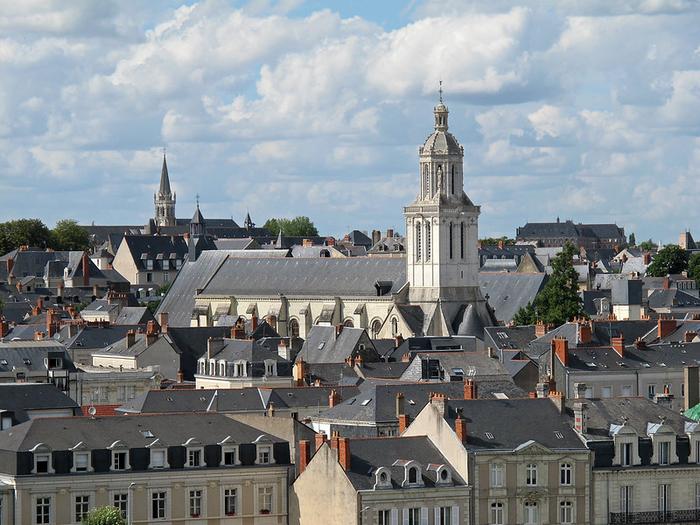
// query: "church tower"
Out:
[442,260]
[164,199]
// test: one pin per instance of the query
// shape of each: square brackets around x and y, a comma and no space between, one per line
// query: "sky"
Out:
[587,111]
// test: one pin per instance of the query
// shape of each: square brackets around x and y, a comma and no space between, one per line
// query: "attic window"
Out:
[27,361]
[558,435]
[489,435]
[3,362]
[366,402]
[321,345]
[147,434]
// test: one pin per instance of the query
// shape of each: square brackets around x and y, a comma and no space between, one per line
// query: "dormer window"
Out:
[81,461]
[158,459]
[382,478]
[240,370]
[264,455]
[270,367]
[222,368]
[202,367]
[119,460]
[229,455]
[412,475]
[626,449]
[194,457]
[212,368]
[664,453]
[42,463]
[149,264]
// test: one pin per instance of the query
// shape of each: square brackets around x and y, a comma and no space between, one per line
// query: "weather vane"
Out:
[197,198]
[440,90]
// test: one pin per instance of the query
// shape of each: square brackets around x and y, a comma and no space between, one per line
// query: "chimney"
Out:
[560,348]
[164,322]
[491,352]
[319,440]
[214,346]
[665,399]
[646,258]
[359,361]
[283,349]
[338,329]
[237,332]
[50,322]
[40,304]
[580,417]
[404,421]
[330,241]
[469,389]
[461,429]
[667,283]
[304,455]
[334,440]
[439,401]
[542,390]
[307,243]
[4,328]
[689,336]
[390,233]
[558,399]
[130,338]
[665,327]
[350,361]
[180,376]
[618,344]
[38,336]
[400,405]
[501,244]
[540,329]
[398,341]
[299,372]
[585,333]
[254,323]
[580,390]
[86,269]
[376,236]
[271,410]
[151,333]
[10,264]
[640,344]
[691,380]
[344,453]
[333,398]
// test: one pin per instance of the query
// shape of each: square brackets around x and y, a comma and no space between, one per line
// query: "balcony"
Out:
[650,517]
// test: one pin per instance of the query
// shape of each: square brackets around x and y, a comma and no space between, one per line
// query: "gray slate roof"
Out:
[508,292]
[23,398]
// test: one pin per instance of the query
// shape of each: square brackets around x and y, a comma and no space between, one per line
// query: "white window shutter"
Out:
[437,516]
[394,516]
[405,516]
[455,514]
[423,516]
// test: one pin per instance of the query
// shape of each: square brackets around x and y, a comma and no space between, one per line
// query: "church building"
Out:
[434,290]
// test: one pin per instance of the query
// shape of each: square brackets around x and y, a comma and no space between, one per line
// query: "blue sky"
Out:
[582,110]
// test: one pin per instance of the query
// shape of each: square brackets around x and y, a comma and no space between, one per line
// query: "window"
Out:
[626,499]
[444,515]
[413,516]
[230,455]
[461,240]
[157,459]
[376,327]
[264,454]
[194,457]
[664,497]
[626,390]
[428,247]
[384,517]
[82,461]
[531,513]
[270,366]
[42,463]
[82,507]
[230,500]
[195,503]
[651,391]
[606,391]
[450,233]
[149,264]
[119,460]
[222,368]
[158,500]
[240,369]
[697,496]
[294,328]
[43,510]
[496,516]
[121,501]
[496,475]
[418,247]
[566,512]
[626,449]
[565,474]
[149,277]
[664,452]
[265,500]
[394,326]
[531,474]
[412,475]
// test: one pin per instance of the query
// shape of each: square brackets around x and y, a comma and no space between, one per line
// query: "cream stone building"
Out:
[191,469]
[433,290]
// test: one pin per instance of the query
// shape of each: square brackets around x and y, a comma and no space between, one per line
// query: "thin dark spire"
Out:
[164,179]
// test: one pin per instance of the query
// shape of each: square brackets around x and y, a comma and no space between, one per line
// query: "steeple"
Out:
[441,113]
[164,189]
[197,224]
[248,222]
[164,199]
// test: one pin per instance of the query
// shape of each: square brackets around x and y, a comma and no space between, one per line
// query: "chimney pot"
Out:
[304,455]
[470,389]
[164,322]
[461,429]
[400,404]
[333,398]
[319,439]
[404,421]
[344,453]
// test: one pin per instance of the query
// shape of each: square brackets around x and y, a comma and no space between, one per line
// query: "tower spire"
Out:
[164,189]
[441,113]
[164,199]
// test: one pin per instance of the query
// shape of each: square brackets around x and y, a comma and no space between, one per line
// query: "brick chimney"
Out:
[646,259]
[307,243]
[665,327]
[164,322]
[439,401]
[501,244]
[319,440]
[180,376]
[86,269]
[344,453]
[254,323]
[151,332]
[580,417]
[299,372]
[398,341]
[540,329]
[10,264]
[560,348]
[585,332]
[4,328]
[667,283]
[333,398]
[618,344]
[38,336]
[400,404]
[330,241]
[461,429]
[237,332]
[470,389]
[130,338]
[52,322]
[390,233]
[404,421]
[558,399]
[304,455]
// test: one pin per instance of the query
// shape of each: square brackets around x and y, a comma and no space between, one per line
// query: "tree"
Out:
[693,268]
[32,232]
[68,235]
[493,241]
[297,227]
[647,246]
[104,516]
[669,260]
[632,240]
[559,300]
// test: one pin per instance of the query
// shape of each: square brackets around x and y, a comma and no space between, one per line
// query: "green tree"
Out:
[632,240]
[104,516]
[693,268]
[493,241]
[670,260]
[647,246]
[559,300]
[297,227]
[68,235]
[31,232]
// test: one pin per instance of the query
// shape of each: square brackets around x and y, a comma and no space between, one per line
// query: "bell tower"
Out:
[164,199]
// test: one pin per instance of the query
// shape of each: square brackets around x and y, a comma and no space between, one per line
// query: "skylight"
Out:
[366,402]
[558,435]
[489,435]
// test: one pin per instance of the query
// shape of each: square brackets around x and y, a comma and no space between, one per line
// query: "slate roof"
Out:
[246,350]
[101,432]
[134,315]
[30,355]
[510,338]
[322,345]
[658,356]
[245,243]
[510,422]
[508,292]
[95,336]
[672,298]
[156,248]
[359,238]
[368,454]
[23,398]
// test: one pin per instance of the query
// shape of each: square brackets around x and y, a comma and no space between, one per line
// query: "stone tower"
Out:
[164,199]
[442,260]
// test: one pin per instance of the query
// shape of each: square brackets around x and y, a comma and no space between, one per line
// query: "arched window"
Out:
[412,475]
[451,228]
[394,326]
[294,328]
[349,323]
[426,180]
[461,240]
[428,247]
[376,327]
[452,181]
[418,247]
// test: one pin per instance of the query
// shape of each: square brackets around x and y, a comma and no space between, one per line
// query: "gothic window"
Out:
[394,326]
[294,328]
[461,240]
[376,327]
[452,181]
[428,247]
[418,246]
[451,228]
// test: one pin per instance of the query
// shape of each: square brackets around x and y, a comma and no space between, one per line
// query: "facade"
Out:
[150,260]
[588,236]
[187,468]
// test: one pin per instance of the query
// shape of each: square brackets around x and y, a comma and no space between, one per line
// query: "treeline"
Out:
[66,235]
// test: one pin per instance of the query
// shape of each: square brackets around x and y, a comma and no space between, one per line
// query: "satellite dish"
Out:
[92,411]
